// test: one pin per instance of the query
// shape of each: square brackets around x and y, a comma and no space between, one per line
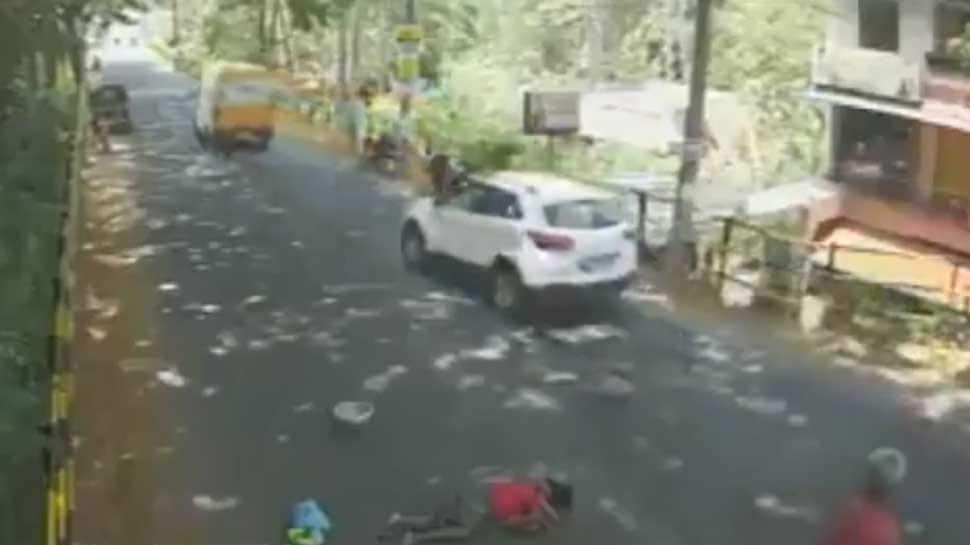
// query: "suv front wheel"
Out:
[414,251]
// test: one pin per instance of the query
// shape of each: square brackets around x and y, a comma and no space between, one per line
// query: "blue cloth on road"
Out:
[307,515]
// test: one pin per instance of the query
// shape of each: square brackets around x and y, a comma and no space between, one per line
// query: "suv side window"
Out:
[498,203]
[466,197]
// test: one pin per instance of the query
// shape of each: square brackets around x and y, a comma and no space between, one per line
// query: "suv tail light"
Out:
[551,242]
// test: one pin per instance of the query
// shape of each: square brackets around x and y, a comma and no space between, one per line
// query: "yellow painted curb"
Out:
[64,324]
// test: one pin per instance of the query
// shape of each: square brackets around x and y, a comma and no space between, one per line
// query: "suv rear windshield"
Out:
[585,214]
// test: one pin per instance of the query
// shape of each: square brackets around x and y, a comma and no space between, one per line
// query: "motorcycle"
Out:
[384,153]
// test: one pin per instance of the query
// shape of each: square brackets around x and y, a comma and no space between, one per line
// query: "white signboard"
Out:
[551,112]
[637,118]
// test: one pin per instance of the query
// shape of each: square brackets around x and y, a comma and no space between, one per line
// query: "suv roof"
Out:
[546,186]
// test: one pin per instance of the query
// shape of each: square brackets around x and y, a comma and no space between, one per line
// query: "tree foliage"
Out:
[484,52]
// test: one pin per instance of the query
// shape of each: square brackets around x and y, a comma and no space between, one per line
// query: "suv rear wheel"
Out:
[508,293]
[414,251]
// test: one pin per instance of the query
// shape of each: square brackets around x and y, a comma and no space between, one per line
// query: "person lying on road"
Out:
[525,505]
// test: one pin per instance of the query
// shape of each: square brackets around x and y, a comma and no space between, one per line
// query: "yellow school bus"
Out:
[236,106]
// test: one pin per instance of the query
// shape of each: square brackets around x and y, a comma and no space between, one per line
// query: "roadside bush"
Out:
[34,151]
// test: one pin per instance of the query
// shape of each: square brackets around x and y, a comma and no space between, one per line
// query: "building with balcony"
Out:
[896,93]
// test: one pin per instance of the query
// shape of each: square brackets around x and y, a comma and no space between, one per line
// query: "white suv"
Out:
[531,232]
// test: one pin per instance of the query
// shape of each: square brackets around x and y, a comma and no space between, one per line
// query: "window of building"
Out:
[879,24]
[876,150]
[950,23]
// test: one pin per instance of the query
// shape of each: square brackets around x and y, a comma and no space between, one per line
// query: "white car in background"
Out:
[529,232]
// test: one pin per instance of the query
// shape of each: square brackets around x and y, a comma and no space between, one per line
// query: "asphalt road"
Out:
[229,304]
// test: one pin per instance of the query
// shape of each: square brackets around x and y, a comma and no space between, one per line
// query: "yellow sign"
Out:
[408,68]
[409,33]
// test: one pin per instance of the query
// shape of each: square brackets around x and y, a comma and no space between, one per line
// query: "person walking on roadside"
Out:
[99,125]
[868,518]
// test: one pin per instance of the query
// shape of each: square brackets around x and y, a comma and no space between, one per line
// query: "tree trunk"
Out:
[286,27]
[176,23]
[354,69]
[385,43]
[261,30]
[595,35]
[276,35]
[342,72]
[33,71]
[51,59]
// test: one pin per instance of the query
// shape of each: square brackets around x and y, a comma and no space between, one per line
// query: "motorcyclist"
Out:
[868,519]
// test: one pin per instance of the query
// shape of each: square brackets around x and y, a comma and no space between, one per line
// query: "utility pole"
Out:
[692,152]
[409,35]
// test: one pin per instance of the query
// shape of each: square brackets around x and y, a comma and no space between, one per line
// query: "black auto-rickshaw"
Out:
[109,107]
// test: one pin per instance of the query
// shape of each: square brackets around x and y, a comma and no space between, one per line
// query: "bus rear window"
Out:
[242,92]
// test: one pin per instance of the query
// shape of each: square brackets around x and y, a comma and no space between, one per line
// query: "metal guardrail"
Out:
[808,260]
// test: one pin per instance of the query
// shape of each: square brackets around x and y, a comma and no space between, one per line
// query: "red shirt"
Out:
[866,523]
[514,499]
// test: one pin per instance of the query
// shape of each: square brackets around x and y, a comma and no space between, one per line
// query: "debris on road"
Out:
[938,406]
[468,382]
[618,513]
[228,339]
[773,505]
[524,336]
[494,349]
[612,385]
[210,391]
[379,383]
[104,308]
[913,528]
[444,362]
[587,333]
[303,408]
[532,399]
[646,294]
[168,287]
[211,504]
[560,377]
[252,300]
[797,420]
[116,260]
[326,339]
[258,344]
[133,365]
[353,412]
[762,405]
[354,313]
[171,377]
[97,334]
[426,310]
[341,289]
[443,297]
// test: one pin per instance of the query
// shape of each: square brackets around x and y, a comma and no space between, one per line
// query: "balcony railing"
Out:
[879,74]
